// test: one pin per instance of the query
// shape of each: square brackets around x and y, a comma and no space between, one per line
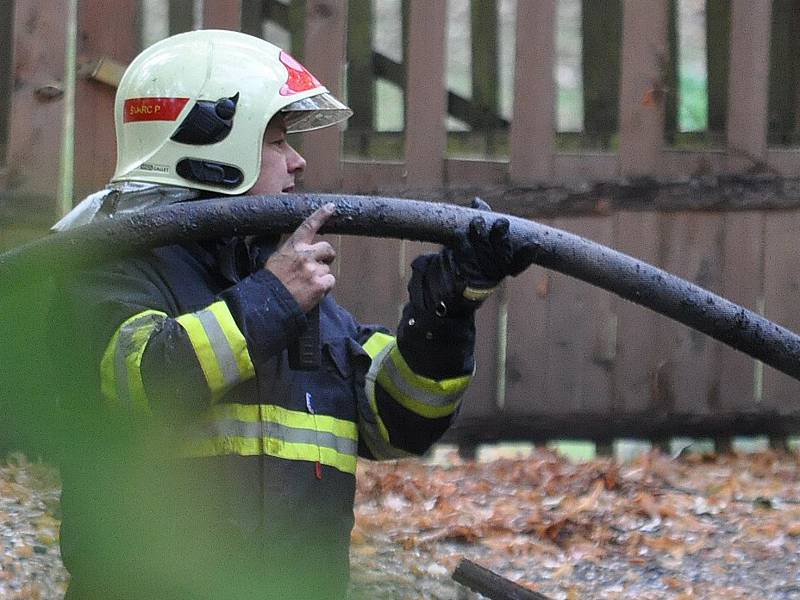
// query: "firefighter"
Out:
[245,486]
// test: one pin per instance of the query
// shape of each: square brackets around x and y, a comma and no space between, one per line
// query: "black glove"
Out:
[457,280]
[485,255]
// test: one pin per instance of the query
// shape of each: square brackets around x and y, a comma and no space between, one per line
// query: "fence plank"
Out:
[425,92]
[742,282]
[181,16]
[104,30]
[636,364]
[35,124]
[372,177]
[485,70]
[528,344]
[222,14]
[325,43]
[781,284]
[370,281]
[644,52]
[533,124]
[360,79]
[784,72]
[475,172]
[601,25]
[253,13]
[785,162]
[581,333]
[586,166]
[749,82]
[481,398]
[6,76]
[718,29]
[692,245]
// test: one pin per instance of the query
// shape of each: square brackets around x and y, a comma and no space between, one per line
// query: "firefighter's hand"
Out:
[304,266]
[485,254]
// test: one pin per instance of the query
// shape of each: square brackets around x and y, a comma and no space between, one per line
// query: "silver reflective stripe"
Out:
[380,448]
[412,391]
[276,431]
[222,349]
[324,439]
[374,368]
[126,346]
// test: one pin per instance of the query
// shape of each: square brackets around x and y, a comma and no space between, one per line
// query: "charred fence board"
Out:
[638,360]
[690,249]
[6,77]
[782,287]
[742,282]
[37,107]
[532,136]
[749,88]
[644,50]
[425,96]
[370,285]
[107,30]
[325,51]
[222,14]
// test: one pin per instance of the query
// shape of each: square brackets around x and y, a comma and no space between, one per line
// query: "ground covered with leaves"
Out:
[30,564]
[697,526]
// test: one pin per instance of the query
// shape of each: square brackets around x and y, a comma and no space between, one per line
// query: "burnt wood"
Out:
[490,584]
[533,426]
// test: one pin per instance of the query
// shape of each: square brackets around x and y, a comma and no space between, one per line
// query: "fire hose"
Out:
[555,249]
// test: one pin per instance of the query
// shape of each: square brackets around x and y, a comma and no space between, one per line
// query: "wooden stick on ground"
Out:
[490,584]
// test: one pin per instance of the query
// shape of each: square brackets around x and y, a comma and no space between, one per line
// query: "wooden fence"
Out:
[557,357]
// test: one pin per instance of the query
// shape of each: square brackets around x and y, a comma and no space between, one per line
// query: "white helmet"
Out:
[191,110]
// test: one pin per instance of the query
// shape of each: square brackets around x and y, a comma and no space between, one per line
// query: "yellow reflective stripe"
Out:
[270,413]
[310,453]
[235,338]
[441,387]
[205,353]
[301,420]
[376,343]
[135,381]
[480,294]
[121,366]
[108,377]
[275,431]
[426,397]
[220,347]
[222,446]
[243,446]
[247,413]
[377,347]
[380,447]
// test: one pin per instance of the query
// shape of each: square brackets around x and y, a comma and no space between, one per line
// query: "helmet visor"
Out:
[316,112]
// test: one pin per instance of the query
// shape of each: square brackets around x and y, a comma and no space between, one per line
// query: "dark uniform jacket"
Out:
[243,484]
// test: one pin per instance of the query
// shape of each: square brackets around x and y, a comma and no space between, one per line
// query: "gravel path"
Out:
[31,564]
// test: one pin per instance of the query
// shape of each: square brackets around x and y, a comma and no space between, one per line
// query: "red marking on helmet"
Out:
[300,79]
[152,109]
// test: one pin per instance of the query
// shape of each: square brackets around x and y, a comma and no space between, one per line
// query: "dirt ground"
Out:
[698,526]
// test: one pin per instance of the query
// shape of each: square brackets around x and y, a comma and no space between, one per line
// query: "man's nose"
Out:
[296,162]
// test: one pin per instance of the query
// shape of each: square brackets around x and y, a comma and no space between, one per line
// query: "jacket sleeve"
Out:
[154,360]
[415,383]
